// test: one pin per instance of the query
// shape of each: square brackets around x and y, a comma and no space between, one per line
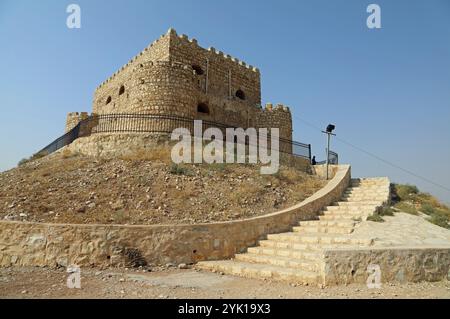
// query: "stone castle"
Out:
[174,76]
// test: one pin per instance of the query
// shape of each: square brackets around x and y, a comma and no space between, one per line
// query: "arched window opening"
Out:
[122,90]
[203,108]
[108,100]
[240,94]
[198,70]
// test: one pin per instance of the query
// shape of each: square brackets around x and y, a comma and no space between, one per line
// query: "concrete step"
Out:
[302,246]
[258,271]
[368,184]
[337,217]
[323,229]
[344,213]
[352,208]
[356,203]
[363,198]
[306,254]
[327,223]
[366,193]
[297,256]
[286,245]
[289,262]
[367,188]
[318,238]
[373,189]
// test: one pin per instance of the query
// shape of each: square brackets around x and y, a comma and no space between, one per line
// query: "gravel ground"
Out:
[175,283]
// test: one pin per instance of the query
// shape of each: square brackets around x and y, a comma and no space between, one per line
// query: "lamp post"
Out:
[329,131]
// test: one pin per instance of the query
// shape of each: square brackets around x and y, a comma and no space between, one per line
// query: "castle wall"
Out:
[157,51]
[222,76]
[174,76]
[73,119]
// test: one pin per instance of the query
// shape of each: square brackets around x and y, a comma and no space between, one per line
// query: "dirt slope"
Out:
[145,189]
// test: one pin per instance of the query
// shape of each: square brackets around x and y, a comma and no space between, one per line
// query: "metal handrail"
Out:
[142,123]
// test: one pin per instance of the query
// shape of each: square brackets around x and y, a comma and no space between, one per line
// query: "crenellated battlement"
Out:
[233,59]
[278,107]
[132,61]
[193,41]
[187,40]
[163,64]
[175,76]
[73,118]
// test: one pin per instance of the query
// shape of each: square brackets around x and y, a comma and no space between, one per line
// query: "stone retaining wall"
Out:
[37,244]
[397,264]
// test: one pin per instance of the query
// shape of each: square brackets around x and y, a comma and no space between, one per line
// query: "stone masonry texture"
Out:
[174,76]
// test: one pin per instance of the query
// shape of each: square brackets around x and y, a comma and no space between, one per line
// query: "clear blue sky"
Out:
[387,91]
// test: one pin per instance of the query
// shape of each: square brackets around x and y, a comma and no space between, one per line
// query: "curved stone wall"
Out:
[163,88]
[36,244]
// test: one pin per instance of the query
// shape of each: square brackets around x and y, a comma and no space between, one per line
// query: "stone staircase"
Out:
[297,256]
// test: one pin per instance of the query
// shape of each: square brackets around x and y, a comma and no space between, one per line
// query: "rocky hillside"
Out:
[145,189]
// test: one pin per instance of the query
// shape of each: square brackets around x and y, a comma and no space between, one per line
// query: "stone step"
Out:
[258,271]
[368,184]
[367,187]
[371,179]
[286,245]
[356,203]
[337,217]
[363,198]
[363,201]
[317,238]
[354,208]
[307,254]
[323,229]
[381,191]
[364,192]
[344,213]
[347,213]
[373,188]
[327,223]
[279,261]
[297,256]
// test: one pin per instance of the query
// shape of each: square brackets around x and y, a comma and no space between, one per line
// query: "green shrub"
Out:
[428,209]
[386,211]
[35,156]
[406,208]
[405,192]
[440,220]
[179,170]
[23,161]
[375,217]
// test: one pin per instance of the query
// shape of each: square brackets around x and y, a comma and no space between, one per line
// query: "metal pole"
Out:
[328,151]
[207,76]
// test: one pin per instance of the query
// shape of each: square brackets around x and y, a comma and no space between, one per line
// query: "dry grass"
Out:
[67,153]
[34,157]
[158,154]
[71,188]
